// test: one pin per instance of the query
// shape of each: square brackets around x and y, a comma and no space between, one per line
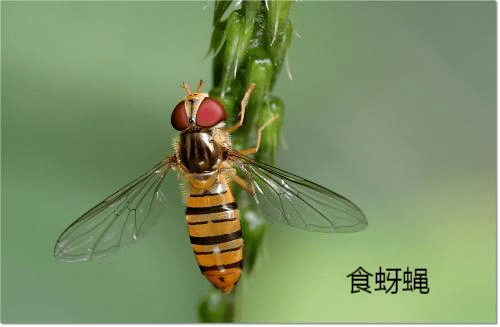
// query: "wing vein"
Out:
[108,225]
[299,202]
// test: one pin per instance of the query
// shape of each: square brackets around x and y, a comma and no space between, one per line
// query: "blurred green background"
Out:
[392,104]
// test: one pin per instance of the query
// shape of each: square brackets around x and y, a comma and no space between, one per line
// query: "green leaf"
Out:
[220,8]
[259,72]
[277,19]
[271,134]
[280,47]
[237,40]
[218,38]
[251,9]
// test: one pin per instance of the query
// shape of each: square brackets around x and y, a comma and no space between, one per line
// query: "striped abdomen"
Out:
[214,228]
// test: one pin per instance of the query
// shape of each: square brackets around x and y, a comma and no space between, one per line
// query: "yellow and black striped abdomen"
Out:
[214,228]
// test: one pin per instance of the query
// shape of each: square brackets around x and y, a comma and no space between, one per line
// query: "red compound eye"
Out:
[179,117]
[210,113]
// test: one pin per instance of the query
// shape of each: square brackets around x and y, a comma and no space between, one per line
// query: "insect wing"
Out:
[120,219]
[298,202]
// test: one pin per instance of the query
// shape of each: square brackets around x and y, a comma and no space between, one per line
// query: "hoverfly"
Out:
[205,159]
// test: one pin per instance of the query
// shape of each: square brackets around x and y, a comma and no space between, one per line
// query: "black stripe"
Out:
[215,209]
[198,222]
[216,221]
[238,264]
[209,240]
[223,220]
[221,251]
[206,193]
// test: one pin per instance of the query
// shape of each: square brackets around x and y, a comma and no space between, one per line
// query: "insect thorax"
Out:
[198,152]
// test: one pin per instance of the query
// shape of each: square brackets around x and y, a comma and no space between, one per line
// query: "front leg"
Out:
[240,181]
[259,136]
[244,103]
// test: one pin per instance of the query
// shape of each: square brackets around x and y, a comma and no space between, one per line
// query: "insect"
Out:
[205,159]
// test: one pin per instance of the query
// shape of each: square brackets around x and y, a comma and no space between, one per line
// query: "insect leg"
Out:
[259,137]
[241,182]
[244,103]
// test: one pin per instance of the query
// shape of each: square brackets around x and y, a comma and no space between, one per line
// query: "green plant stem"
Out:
[248,47]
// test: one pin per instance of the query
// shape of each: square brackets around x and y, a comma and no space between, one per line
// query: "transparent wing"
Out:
[298,202]
[118,220]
